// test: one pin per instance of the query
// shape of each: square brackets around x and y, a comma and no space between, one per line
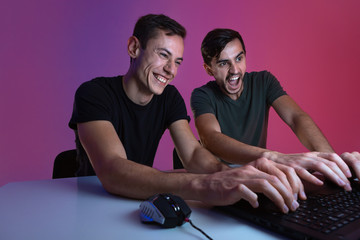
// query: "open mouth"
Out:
[233,81]
[161,78]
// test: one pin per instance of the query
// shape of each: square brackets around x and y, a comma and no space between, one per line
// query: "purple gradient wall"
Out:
[49,47]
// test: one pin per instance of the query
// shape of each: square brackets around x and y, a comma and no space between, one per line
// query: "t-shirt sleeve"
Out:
[90,104]
[200,102]
[274,88]
[176,107]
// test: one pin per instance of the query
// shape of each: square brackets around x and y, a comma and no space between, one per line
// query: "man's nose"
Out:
[234,69]
[170,67]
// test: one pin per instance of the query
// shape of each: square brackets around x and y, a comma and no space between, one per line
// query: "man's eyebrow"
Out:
[164,49]
[241,53]
[222,61]
[169,53]
[226,60]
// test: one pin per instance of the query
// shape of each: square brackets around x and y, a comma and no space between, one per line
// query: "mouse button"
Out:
[170,216]
[184,208]
[165,207]
[173,202]
[172,211]
[180,207]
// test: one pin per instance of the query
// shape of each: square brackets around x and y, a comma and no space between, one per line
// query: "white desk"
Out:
[79,208]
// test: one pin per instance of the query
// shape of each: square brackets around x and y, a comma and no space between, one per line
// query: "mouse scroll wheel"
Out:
[176,208]
[174,205]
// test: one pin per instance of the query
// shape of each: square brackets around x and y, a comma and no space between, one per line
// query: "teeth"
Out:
[234,78]
[160,78]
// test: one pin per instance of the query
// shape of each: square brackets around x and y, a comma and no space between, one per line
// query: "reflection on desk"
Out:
[80,208]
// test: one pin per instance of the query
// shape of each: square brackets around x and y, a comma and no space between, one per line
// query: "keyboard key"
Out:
[327,213]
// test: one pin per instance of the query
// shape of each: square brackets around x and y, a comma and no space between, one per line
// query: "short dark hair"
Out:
[216,40]
[147,27]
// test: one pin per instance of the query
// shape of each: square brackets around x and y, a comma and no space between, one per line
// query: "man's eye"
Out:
[222,64]
[238,59]
[178,63]
[164,55]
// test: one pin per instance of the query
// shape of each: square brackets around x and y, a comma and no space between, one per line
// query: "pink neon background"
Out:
[49,47]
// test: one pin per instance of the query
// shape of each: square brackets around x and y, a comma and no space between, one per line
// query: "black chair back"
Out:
[65,164]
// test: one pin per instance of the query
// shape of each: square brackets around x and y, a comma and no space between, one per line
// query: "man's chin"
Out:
[158,91]
[232,91]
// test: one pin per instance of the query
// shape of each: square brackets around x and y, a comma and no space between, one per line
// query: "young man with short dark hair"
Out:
[231,115]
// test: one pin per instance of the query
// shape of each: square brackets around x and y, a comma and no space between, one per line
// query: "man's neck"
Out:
[135,91]
[234,96]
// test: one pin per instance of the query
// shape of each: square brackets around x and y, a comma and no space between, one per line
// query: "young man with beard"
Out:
[231,115]
[119,121]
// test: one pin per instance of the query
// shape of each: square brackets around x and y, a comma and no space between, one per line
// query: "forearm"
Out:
[202,161]
[310,135]
[133,180]
[230,149]
[194,157]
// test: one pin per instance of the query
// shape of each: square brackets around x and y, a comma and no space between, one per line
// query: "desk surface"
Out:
[79,208]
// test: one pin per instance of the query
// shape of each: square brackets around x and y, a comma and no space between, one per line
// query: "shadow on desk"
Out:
[88,185]
[190,232]
[92,185]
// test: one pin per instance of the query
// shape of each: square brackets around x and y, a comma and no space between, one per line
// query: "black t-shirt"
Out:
[139,128]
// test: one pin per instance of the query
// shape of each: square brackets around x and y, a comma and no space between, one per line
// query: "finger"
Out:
[286,193]
[272,168]
[329,168]
[331,171]
[281,194]
[307,176]
[248,195]
[294,180]
[268,171]
[356,168]
[339,161]
[334,167]
[353,160]
[273,192]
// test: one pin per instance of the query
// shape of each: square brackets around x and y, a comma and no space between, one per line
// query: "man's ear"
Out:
[133,47]
[208,69]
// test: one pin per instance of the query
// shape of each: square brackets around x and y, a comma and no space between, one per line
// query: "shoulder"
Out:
[100,83]
[261,75]
[170,92]
[170,89]
[262,78]
[169,97]
[209,88]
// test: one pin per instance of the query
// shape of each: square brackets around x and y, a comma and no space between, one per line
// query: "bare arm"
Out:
[118,174]
[231,150]
[221,145]
[194,157]
[234,151]
[301,124]
[197,159]
[126,178]
[312,138]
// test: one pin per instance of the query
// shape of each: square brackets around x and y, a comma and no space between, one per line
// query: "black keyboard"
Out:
[326,213]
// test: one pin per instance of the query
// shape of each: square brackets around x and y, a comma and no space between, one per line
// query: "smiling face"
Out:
[229,69]
[156,65]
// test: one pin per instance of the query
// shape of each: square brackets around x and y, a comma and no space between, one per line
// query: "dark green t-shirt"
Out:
[244,119]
